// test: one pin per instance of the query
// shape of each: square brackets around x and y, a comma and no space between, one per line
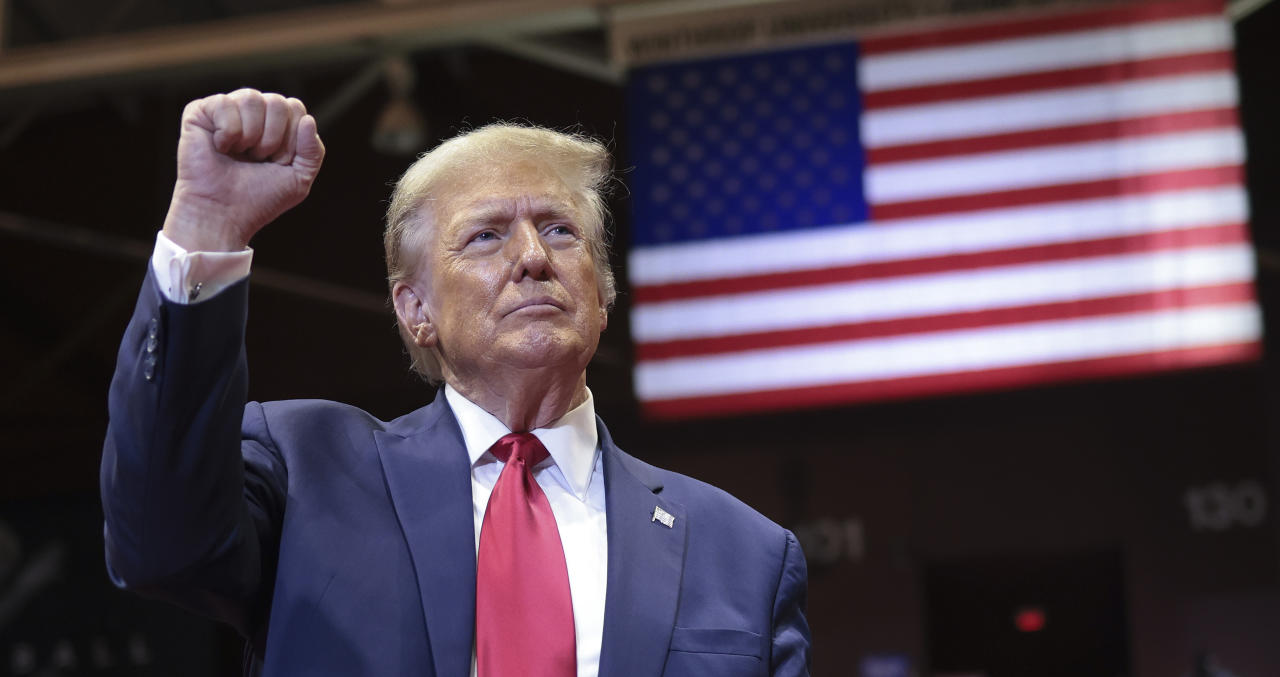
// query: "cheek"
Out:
[470,283]
[585,269]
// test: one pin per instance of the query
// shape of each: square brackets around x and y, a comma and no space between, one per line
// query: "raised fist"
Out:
[244,159]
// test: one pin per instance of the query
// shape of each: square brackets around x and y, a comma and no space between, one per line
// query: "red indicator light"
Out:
[1029,619]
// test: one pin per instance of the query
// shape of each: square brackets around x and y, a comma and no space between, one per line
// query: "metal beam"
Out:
[328,111]
[319,34]
[562,59]
[101,244]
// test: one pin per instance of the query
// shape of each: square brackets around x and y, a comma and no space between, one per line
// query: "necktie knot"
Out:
[521,446]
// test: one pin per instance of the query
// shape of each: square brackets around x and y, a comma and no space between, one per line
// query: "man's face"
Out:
[507,276]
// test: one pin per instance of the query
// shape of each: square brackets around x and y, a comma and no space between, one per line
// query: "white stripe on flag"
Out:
[1051,165]
[877,72]
[963,233]
[948,352]
[951,292]
[1054,108]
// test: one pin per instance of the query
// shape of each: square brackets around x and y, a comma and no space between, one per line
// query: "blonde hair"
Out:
[580,162]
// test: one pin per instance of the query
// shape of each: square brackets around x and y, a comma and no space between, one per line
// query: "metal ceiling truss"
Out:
[349,31]
[361,30]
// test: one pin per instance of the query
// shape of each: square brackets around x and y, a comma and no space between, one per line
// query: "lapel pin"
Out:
[659,515]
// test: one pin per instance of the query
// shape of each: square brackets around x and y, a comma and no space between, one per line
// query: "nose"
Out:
[528,253]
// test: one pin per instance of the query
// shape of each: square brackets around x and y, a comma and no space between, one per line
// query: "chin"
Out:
[549,350]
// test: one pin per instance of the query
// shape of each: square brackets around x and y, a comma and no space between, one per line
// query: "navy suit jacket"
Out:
[339,544]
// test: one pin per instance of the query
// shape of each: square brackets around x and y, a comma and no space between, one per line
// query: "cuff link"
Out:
[195,291]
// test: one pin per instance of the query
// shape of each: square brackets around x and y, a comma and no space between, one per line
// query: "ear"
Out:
[604,317]
[412,312]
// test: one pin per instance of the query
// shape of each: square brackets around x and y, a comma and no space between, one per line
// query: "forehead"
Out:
[492,189]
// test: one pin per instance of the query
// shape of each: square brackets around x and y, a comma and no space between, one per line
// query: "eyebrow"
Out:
[501,209]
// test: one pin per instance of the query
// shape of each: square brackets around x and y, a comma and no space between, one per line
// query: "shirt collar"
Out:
[571,440]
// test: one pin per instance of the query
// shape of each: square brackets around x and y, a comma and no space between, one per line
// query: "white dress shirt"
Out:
[191,277]
[572,477]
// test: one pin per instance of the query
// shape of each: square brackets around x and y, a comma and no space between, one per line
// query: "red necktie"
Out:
[524,613]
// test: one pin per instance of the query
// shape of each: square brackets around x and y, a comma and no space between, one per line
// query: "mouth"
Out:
[535,304]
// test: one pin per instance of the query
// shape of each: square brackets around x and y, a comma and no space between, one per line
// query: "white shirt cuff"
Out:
[190,277]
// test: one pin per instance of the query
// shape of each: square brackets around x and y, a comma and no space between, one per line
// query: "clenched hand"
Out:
[244,159]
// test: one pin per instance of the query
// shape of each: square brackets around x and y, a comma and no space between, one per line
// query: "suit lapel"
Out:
[646,560]
[429,477]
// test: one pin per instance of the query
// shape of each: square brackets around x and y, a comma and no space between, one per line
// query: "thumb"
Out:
[310,149]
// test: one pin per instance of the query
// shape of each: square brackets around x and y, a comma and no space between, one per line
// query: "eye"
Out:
[483,236]
[561,229]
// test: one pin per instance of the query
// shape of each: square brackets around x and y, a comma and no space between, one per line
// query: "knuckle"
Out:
[251,100]
[208,103]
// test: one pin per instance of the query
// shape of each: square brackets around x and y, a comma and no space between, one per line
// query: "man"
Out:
[498,530]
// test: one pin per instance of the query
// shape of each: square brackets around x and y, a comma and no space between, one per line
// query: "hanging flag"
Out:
[995,204]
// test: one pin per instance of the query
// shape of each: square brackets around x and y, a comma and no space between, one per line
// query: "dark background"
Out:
[927,523]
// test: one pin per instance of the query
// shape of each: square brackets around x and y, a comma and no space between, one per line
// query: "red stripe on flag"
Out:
[1042,24]
[1113,305]
[1086,190]
[937,384]
[1166,123]
[1076,249]
[1181,64]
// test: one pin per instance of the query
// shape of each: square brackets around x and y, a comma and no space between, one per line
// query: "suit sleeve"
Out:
[790,654]
[192,507]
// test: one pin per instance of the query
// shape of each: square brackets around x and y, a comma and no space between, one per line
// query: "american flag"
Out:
[1011,201]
